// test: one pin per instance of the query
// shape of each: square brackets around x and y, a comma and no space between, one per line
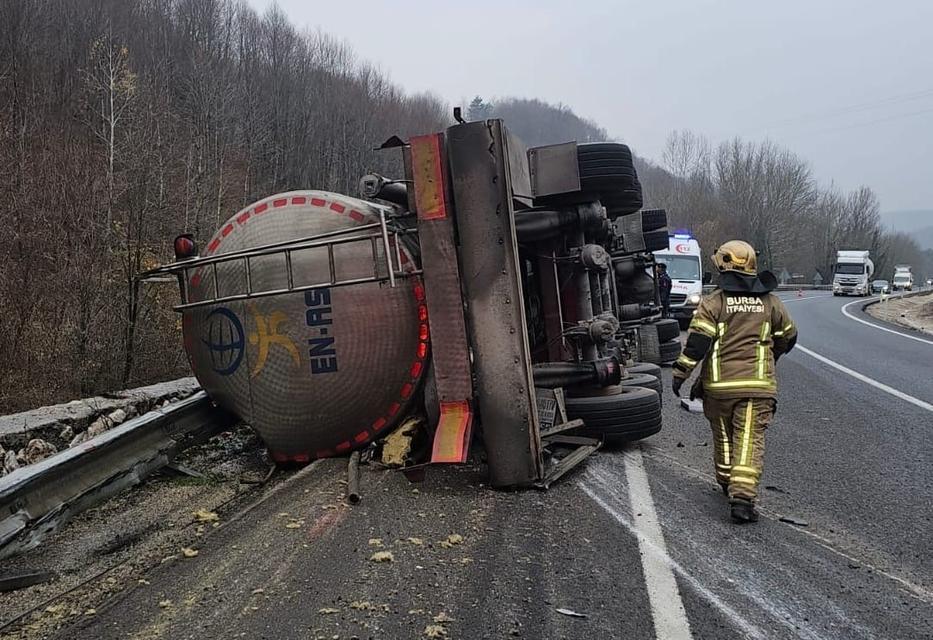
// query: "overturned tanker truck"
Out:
[490,289]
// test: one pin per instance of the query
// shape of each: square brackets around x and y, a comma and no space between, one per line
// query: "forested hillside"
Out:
[124,122]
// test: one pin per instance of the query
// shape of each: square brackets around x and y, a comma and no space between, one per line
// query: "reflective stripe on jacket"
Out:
[736,336]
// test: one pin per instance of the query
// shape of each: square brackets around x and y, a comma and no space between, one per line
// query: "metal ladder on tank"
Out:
[385,268]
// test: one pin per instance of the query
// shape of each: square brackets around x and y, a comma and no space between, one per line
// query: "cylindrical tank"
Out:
[319,372]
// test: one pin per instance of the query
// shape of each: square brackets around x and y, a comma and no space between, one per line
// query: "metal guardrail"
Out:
[37,500]
[805,287]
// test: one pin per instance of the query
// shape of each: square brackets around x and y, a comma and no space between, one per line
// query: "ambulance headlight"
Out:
[694,299]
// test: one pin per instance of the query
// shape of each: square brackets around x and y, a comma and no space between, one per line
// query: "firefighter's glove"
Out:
[696,391]
[676,384]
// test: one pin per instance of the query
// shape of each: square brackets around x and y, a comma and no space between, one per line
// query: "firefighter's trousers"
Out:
[739,426]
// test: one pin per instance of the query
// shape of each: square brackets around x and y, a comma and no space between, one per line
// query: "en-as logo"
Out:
[223,337]
[266,335]
[322,350]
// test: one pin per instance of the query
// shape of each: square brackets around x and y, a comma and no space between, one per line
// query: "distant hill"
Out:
[537,122]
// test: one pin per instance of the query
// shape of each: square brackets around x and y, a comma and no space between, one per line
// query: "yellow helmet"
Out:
[737,256]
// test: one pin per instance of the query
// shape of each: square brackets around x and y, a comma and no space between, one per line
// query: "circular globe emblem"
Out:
[223,336]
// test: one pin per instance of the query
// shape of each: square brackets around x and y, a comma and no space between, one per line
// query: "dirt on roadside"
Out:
[109,548]
[913,312]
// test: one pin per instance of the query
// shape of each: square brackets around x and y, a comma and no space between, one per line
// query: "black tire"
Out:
[649,347]
[635,413]
[608,175]
[605,166]
[668,329]
[613,149]
[645,367]
[645,381]
[656,240]
[670,351]
[653,219]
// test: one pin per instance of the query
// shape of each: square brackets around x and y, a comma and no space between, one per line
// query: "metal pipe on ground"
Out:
[353,479]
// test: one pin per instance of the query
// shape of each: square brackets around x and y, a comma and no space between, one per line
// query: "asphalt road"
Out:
[639,541]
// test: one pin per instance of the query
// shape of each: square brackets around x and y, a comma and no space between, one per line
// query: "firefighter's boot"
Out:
[743,511]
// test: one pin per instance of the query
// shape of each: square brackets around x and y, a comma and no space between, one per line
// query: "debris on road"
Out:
[375,542]
[383,556]
[202,515]
[693,406]
[188,552]
[571,613]
[328,611]
[451,540]
[435,631]
[397,446]
[353,479]
[794,521]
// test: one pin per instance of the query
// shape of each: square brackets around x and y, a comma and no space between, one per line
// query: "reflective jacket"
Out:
[738,337]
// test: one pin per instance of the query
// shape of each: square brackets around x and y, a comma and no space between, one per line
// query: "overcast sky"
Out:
[847,84]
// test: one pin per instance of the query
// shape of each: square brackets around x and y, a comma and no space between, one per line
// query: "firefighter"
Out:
[738,332]
[665,284]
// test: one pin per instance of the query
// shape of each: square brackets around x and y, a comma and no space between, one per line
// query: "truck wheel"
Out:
[649,347]
[630,415]
[653,219]
[669,351]
[668,329]
[656,240]
[644,381]
[645,367]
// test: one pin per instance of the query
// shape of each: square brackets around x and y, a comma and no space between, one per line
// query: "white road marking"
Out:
[863,378]
[845,312]
[667,608]
[647,546]
[786,300]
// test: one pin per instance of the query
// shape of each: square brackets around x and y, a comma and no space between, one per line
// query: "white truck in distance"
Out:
[852,273]
[682,258]
[903,278]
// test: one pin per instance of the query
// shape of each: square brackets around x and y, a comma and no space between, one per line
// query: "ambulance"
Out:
[684,266]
